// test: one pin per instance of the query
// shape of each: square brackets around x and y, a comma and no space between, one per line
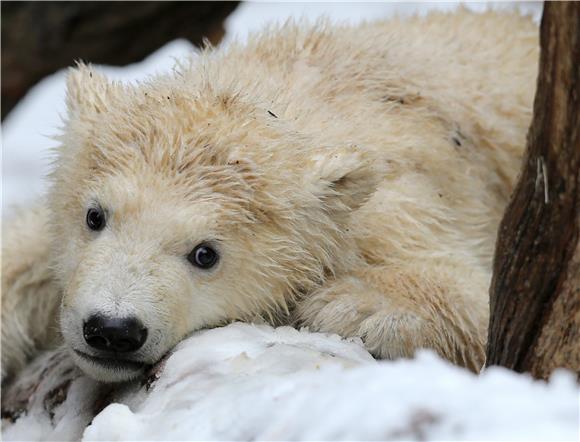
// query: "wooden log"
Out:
[535,290]
[38,38]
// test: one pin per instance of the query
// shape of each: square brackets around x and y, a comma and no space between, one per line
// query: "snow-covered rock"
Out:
[249,382]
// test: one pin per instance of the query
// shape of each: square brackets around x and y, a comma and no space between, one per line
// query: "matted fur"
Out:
[352,179]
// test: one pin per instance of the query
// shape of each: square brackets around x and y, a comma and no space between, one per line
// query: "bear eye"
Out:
[203,256]
[96,218]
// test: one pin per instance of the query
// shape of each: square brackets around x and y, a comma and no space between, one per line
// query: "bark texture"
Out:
[38,38]
[535,291]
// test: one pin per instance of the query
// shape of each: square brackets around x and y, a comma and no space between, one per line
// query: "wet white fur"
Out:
[352,180]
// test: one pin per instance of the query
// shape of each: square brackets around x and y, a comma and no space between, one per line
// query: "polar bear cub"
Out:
[347,179]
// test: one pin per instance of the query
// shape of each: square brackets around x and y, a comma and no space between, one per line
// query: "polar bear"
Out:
[345,179]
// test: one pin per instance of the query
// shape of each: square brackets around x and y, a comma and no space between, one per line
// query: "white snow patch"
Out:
[250,382]
[279,384]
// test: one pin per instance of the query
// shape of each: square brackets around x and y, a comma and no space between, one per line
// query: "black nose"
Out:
[121,335]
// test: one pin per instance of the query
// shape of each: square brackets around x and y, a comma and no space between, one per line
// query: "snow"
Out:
[294,390]
[255,382]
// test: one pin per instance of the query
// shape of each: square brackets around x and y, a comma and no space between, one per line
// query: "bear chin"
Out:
[108,370]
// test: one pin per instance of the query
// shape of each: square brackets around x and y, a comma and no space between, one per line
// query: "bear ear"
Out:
[344,179]
[87,90]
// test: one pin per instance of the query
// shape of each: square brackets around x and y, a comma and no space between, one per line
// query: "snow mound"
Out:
[249,382]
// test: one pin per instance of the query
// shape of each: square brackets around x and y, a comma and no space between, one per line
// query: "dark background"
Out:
[39,38]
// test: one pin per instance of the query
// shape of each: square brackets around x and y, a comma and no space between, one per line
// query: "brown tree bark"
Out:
[38,38]
[535,291]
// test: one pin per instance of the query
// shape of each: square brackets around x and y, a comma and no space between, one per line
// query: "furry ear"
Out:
[87,90]
[344,179]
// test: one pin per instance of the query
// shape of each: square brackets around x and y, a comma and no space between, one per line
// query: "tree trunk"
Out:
[535,290]
[38,38]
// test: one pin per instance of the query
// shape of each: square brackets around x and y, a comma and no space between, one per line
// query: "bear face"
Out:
[176,208]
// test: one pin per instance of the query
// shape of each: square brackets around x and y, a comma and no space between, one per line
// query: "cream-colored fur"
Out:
[351,178]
